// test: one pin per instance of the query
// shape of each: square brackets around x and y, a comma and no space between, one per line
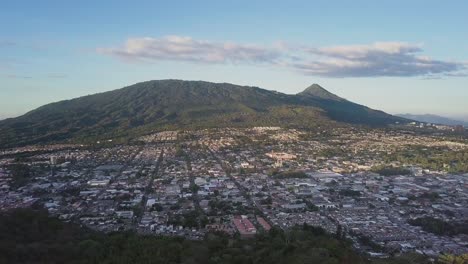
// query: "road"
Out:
[149,187]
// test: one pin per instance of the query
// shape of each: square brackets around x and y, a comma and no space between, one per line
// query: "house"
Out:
[244,226]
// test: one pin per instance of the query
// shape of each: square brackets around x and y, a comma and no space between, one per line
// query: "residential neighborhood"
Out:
[245,181]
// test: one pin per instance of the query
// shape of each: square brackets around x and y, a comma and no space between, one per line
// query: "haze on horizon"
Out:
[400,57]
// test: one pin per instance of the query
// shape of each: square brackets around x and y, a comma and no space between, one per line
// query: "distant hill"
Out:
[170,104]
[434,119]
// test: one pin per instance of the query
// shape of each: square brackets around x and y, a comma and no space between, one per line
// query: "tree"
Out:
[194,188]
[20,173]
[339,232]
[451,259]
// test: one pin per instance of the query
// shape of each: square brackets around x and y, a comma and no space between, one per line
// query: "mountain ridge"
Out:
[434,119]
[172,104]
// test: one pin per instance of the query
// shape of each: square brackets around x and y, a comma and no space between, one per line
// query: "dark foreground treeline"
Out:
[31,236]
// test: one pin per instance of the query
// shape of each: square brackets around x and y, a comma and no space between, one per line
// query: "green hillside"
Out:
[169,104]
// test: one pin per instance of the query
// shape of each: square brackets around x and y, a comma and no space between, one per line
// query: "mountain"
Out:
[319,92]
[434,119]
[170,104]
[342,110]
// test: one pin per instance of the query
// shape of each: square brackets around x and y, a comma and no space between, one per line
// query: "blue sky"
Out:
[398,56]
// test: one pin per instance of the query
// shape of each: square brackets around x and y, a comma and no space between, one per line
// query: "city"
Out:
[233,132]
[244,181]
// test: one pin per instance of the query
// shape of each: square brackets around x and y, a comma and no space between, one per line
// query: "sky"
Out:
[396,56]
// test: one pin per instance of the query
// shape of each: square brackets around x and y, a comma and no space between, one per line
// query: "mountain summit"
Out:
[318,91]
[174,104]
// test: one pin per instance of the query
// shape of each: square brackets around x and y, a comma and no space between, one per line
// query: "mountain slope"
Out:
[434,119]
[169,104]
[342,110]
[319,92]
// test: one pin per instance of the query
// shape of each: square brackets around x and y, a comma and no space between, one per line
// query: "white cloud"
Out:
[51,75]
[187,49]
[15,76]
[56,75]
[378,59]
[7,43]
[373,60]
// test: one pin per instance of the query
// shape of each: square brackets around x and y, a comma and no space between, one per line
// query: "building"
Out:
[124,214]
[220,228]
[281,156]
[53,160]
[459,129]
[265,225]
[98,182]
[245,228]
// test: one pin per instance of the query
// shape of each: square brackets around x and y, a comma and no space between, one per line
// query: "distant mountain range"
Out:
[434,119]
[170,104]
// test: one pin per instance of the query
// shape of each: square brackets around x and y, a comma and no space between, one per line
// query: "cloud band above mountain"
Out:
[188,49]
[398,59]
[378,59]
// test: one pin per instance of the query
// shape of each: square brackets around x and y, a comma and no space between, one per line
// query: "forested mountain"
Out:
[168,104]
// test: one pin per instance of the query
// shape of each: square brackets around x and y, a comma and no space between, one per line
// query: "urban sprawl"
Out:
[244,181]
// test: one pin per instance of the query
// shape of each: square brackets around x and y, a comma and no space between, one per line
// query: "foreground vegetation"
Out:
[440,227]
[31,236]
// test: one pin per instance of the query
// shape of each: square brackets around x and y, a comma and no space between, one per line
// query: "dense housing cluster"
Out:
[371,186]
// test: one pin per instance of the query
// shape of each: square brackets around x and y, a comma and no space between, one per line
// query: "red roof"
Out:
[244,226]
[264,223]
